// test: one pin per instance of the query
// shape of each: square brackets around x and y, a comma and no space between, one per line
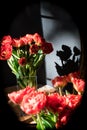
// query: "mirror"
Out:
[56,24]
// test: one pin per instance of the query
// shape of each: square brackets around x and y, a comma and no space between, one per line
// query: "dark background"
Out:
[8,11]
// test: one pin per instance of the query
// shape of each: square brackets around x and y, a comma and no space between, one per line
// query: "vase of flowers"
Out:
[24,56]
[27,81]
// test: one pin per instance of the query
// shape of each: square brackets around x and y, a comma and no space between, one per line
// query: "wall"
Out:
[60,29]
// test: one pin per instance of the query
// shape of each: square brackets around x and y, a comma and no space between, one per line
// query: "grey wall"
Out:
[59,29]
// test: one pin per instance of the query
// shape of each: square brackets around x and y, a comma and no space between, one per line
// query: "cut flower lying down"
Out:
[48,110]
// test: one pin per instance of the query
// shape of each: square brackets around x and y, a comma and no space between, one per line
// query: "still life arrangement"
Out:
[48,109]
[24,56]
[51,110]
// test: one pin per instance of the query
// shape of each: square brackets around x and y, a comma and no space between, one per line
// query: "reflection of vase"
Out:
[30,80]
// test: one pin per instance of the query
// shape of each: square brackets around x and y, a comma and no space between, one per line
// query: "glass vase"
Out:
[25,81]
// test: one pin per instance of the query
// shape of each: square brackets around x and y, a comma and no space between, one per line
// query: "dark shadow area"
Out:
[69,60]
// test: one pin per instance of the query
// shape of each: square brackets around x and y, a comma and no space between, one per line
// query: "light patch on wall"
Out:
[59,29]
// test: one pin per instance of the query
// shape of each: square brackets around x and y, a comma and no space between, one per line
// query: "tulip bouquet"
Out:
[71,83]
[51,110]
[24,56]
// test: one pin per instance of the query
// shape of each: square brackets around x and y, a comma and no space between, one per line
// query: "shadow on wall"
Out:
[70,61]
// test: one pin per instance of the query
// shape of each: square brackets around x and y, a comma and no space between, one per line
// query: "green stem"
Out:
[30,80]
[15,56]
[60,91]
[12,68]
[40,122]
[34,118]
